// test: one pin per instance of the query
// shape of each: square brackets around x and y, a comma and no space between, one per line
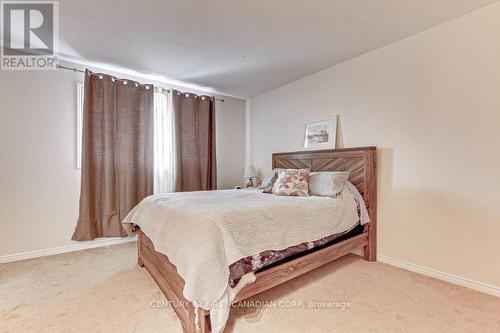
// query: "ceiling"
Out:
[241,48]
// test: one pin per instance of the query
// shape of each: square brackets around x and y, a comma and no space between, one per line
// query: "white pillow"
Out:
[268,181]
[327,183]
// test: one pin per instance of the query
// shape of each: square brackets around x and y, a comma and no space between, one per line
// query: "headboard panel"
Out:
[361,162]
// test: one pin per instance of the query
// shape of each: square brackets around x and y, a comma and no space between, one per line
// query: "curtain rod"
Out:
[156,88]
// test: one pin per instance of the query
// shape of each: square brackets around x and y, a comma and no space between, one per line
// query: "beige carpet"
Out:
[103,290]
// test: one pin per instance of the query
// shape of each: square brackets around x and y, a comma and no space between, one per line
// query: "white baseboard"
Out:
[458,280]
[455,279]
[77,246]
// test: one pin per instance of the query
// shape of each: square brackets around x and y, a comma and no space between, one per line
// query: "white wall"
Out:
[39,182]
[431,103]
[230,147]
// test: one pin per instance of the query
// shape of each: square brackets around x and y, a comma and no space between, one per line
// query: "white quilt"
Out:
[203,233]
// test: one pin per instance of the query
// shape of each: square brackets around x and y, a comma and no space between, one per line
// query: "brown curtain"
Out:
[117,159]
[194,120]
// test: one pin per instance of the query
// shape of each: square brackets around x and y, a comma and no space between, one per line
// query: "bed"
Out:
[360,162]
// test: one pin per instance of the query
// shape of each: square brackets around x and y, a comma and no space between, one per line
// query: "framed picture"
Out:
[321,134]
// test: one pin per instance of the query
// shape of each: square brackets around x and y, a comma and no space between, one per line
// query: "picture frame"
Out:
[321,134]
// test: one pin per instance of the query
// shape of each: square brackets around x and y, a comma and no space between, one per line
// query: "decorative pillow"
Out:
[327,183]
[269,180]
[292,182]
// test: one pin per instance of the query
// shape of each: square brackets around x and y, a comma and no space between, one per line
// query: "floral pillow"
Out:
[292,182]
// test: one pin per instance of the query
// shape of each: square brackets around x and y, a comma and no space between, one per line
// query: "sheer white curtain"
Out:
[164,148]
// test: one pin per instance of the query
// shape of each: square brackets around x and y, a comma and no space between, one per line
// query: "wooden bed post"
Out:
[370,250]
[204,321]
[140,235]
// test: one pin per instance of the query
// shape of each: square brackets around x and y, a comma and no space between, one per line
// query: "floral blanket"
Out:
[269,257]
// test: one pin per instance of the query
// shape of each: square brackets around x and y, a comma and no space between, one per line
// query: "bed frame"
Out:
[361,162]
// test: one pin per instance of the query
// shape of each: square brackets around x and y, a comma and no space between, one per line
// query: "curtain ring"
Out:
[125,82]
[101,76]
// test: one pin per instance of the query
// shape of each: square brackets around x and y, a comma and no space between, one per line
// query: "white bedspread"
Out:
[203,233]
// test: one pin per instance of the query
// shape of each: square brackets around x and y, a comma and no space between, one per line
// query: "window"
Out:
[164,163]
[80,93]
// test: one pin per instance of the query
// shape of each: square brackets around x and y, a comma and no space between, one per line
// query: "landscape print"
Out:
[320,134]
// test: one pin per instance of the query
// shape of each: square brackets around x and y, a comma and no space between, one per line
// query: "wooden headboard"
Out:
[361,162]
